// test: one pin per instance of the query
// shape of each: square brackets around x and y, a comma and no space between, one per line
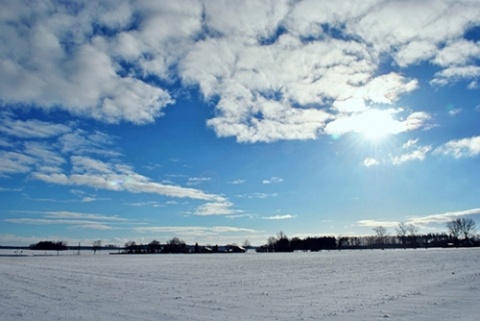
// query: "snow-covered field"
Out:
[433,284]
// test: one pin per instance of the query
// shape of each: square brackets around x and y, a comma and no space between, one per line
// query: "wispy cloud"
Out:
[417,153]
[73,220]
[75,157]
[369,162]
[466,147]
[272,180]
[193,230]
[375,223]
[216,208]
[279,217]
[192,181]
[31,128]
[258,195]
[441,217]
[238,181]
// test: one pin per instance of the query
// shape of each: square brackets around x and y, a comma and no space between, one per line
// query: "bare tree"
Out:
[461,226]
[454,228]
[271,243]
[402,231]
[468,227]
[381,235]
[412,234]
[96,245]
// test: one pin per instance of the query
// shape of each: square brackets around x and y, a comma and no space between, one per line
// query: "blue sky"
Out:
[224,121]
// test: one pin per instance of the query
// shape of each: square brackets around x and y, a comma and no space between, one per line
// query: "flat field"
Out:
[433,284]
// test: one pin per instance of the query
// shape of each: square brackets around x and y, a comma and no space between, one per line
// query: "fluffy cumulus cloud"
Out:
[275,69]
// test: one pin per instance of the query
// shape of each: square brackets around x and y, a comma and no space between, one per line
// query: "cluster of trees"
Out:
[283,244]
[174,245]
[460,233]
[49,246]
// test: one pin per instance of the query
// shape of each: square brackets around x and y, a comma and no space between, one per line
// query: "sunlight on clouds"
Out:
[274,67]
[373,124]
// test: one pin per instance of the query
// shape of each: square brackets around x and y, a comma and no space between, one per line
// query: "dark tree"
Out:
[154,247]
[175,245]
[467,227]
[461,226]
[402,231]
[282,243]
[50,246]
[96,246]
[131,247]
[381,235]
[412,235]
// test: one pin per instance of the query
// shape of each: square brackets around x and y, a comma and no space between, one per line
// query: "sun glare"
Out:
[376,125]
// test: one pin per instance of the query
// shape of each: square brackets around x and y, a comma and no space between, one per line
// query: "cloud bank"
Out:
[275,70]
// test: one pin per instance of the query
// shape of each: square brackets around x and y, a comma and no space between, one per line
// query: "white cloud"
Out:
[258,195]
[466,147]
[375,223]
[454,111]
[216,208]
[455,73]
[375,122]
[458,53]
[75,220]
[417,154]
[110,177]
[272,180]
[237,182]
[77,215]
[74,157]
[442,217]
[197,180]
[80,141]
[31,128]
[193,230]
[274,67]
[368,162]
[279,217]
[13,162]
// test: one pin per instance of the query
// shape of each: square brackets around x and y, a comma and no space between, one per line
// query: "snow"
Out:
[400,285]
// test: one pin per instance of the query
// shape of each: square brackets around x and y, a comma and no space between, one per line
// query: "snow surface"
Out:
[433,284]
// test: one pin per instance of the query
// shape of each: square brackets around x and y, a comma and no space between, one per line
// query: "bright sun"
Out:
[376,125]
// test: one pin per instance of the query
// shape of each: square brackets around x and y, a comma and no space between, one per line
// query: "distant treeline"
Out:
[176,245]
[311,244]
[460,234]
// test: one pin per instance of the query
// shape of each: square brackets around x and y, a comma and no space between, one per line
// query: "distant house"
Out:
[234,249]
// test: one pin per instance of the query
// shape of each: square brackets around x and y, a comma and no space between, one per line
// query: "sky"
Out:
[224,121]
